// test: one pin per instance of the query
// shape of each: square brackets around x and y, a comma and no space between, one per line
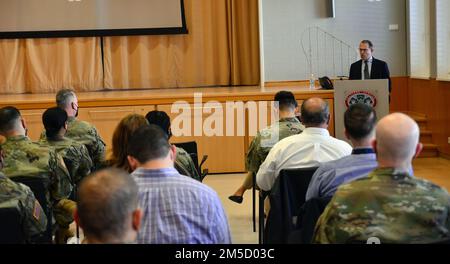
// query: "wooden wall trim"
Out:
[444,155]
[304,83]
[166,96]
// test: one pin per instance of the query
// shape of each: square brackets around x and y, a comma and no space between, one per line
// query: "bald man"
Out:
[308,149]
[389,205]
[107,208]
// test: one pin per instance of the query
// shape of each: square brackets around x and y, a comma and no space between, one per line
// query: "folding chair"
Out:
[287,195]
[306,220]
[39,186]
[191,148]
[11,228]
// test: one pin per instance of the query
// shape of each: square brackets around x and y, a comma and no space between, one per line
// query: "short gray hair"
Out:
[64,97]
[106,200]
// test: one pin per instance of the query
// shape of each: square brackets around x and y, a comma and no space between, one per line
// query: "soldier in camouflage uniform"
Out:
[24,158]
[389,206]
[183,161]
[185,165]
[75,155]
[261,145]
[80,131]
[34,219]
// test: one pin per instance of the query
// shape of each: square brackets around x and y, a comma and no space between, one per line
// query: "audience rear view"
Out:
[26,159]
[152,192]
[308,149]
[183,161]
[107,208]
[359,122]
[287,125]
[388,205]
[75,155]
[34,219]
[176,208]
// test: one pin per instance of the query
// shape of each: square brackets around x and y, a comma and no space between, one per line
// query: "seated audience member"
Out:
[359,122]
[121,138]
[75,155]
[80,131]
[389,205]
[34,221]
[25,158]
[286,126]
[308,149]
[183,161]
[177,209]
[107,208]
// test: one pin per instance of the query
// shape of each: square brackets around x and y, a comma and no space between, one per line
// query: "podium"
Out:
[347,92]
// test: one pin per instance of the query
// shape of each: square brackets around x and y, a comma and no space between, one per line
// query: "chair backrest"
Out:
[39,187]
[191,148]
[307,218]
[287,195]
[11,228]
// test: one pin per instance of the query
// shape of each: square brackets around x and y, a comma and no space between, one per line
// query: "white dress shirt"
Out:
[369,64]
[308,149]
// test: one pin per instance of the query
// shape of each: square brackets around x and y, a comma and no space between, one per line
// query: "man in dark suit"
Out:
[369,67]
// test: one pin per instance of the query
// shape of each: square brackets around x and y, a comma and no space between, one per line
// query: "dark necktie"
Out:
[366,70]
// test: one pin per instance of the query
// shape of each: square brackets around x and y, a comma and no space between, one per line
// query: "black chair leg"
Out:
[254,202]
[261,219]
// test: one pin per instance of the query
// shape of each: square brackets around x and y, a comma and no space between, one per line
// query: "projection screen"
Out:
[72,18]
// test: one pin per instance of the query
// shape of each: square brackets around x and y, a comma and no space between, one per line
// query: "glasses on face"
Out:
[364,50]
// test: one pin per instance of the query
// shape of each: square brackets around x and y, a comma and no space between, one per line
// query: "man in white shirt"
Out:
[308,149]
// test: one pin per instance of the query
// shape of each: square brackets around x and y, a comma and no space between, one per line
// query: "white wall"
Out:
[285,20]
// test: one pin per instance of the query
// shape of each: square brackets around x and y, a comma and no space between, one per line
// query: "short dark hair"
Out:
[317,116]
[63,97]
[54,119]
[105,201]
[159,118]
[8,118]
[286,100]
[360,120]
[147,143]
[368,42]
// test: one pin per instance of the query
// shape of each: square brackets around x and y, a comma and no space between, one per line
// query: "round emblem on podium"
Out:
[361,97]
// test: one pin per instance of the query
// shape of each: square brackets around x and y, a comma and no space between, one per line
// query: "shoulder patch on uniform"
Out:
[37,210]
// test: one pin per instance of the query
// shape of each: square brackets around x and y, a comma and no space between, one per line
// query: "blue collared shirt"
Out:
[330,175]
[179,210]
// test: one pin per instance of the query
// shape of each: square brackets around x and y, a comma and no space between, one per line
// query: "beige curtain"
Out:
[221,49]
[12,68]
[243,40]
[46,65]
